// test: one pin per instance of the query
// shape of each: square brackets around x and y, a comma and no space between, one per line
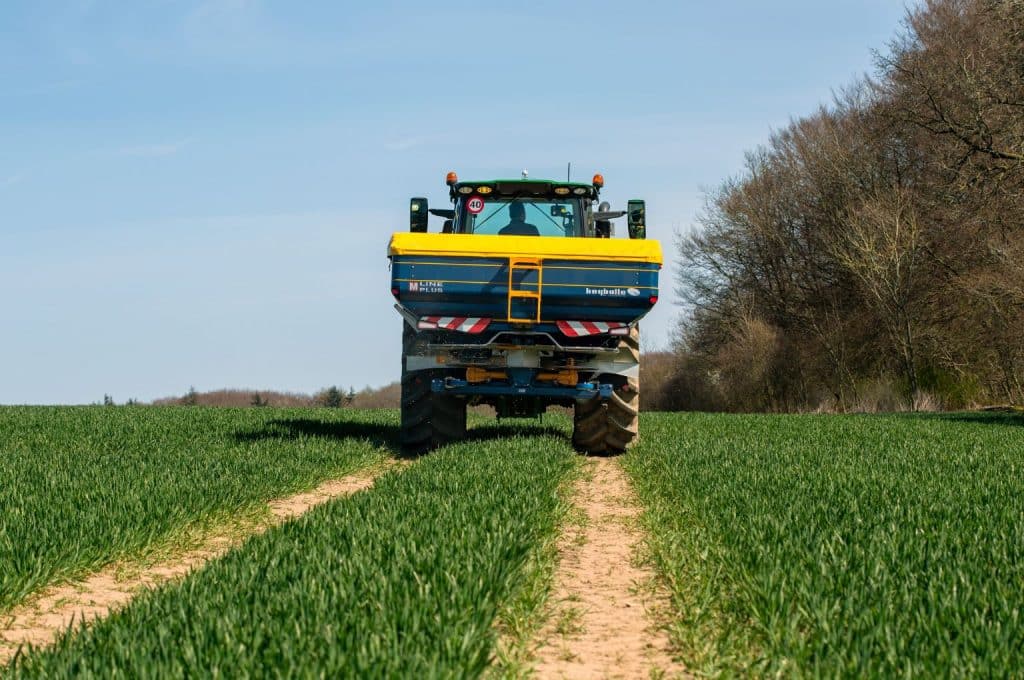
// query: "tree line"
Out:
[871,255]
[329,397]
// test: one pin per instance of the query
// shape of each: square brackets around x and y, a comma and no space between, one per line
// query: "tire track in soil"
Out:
[602,625]
[42,618]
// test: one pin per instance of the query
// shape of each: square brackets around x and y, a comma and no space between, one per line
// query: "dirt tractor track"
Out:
[598,590]
[42,617]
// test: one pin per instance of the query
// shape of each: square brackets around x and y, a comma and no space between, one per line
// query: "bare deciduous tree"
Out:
[881,248]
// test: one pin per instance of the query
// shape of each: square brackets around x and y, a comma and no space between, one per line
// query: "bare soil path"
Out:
[602,625]
[39,620]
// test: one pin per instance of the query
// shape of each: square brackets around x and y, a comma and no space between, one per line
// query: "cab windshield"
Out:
[520,216]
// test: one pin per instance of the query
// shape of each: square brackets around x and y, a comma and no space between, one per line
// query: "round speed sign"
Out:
[475,205]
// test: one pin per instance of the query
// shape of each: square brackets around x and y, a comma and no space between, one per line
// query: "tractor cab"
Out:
[528,207]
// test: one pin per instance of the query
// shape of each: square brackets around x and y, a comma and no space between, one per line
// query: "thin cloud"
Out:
[11,180]
[43,88]
[153,150]
[244,32]
[407,143]
[224,13]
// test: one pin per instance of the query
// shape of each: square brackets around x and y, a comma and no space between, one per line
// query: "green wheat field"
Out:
[793,546]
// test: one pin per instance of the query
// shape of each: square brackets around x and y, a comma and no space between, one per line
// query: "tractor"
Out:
[521,300]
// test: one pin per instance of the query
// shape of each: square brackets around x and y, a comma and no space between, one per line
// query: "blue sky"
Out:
[201,193]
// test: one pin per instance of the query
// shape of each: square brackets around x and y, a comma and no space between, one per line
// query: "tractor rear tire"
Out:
[429,419]
[610,426]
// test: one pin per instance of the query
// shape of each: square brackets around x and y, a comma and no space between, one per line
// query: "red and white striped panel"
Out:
[579,329]
[462,324]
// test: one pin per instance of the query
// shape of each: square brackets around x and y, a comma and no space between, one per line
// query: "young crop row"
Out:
[868,546]
[81,487]
[402,580]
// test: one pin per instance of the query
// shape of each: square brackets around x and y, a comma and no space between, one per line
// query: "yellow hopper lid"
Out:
[543,247]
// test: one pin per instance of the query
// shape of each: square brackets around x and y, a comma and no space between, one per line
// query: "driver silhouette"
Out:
[518,226]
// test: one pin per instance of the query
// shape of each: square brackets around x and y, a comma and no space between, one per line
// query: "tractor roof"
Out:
[525,187]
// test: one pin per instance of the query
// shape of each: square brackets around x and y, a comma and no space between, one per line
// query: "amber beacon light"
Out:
[599,180]
[451,178]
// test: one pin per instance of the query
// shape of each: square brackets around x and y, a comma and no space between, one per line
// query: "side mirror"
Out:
[636,213]
[418,214]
